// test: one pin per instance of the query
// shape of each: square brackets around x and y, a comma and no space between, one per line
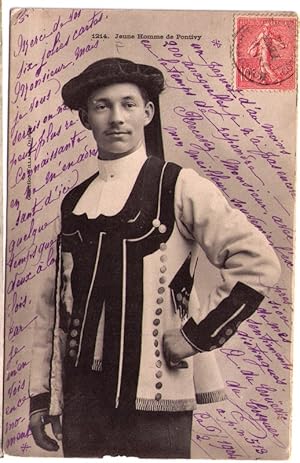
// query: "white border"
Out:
[258,5]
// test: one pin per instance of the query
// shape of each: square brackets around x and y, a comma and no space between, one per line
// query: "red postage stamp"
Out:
[265,52]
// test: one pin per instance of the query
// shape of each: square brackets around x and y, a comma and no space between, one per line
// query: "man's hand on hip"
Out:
[176,348]
[37,424]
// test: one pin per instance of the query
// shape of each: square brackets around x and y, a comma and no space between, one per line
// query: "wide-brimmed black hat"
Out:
[117,70]
[111,71]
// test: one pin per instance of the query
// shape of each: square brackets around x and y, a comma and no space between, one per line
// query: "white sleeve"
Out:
[249,267]
[42,347]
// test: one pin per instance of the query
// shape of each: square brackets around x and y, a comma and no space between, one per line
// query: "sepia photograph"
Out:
[150,233]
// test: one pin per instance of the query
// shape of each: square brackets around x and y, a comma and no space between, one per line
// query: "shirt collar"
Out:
[126,167]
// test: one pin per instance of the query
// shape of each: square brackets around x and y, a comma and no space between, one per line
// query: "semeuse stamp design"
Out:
[265,52]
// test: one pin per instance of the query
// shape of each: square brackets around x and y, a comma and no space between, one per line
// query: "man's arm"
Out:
[41,361]
[249,267]
[40,372]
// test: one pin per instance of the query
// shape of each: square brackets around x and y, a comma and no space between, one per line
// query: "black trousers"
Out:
[92,430]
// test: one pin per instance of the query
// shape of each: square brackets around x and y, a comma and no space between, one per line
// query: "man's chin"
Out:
[116,150]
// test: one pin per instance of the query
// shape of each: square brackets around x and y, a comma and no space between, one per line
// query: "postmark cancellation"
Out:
[265,52]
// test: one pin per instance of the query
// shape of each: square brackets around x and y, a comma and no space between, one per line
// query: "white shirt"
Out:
[108,193]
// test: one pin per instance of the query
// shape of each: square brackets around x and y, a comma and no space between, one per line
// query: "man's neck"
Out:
[123,167]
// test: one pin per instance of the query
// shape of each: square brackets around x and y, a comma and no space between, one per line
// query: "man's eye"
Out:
[130,104]
[100,106]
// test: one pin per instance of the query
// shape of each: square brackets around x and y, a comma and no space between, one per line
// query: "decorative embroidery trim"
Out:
[158,208]
[165,405]
[135,218]
[181,287]
[240,303]
[210,397]
[89,295]
[233,316]
[97,365]
[124,288]
[77,232]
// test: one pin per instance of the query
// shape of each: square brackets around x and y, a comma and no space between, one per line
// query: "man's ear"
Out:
[149,112]
[83,116]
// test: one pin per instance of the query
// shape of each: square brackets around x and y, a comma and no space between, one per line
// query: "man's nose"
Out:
[117,115]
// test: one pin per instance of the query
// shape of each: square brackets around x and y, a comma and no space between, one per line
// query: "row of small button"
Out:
[222,339]
[74,333]
[158,311]
[161,227]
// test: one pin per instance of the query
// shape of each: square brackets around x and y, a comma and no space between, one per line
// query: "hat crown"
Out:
[110,65]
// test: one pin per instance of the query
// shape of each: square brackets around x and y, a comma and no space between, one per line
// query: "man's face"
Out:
[117,115]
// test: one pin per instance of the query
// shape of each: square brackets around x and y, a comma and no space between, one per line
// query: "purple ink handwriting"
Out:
[209,125]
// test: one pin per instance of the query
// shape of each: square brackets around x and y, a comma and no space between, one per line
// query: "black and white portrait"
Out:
[149,241]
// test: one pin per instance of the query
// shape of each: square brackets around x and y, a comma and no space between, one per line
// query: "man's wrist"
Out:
[39,402]
[186,338]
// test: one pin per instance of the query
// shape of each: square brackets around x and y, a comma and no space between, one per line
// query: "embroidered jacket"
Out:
[122,281]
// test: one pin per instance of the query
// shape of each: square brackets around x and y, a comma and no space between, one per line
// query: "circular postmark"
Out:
[264,52]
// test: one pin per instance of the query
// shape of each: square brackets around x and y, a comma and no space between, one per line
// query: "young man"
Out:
[130,356]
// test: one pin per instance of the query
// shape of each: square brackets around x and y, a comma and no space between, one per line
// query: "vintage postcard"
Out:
[150,233]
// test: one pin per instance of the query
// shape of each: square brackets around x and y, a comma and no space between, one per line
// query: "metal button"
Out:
[163,258]
[161,290]
[157,353]
[160,300]
[73,343]
[158,385]
[158,363]
[163,269]
[162,280]
[162,228]
[212,347]
[179,297]
[221,341]
[72,353]
[156,223]
[158,311]
[229,331]
[156,322]
[162,246]
[157,397]
[156,343]
[76,322]
[155,333]
[158,374]
[74,333]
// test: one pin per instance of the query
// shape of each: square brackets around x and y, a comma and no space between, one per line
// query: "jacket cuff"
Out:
[39,402]
[211,396]
[222,322]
